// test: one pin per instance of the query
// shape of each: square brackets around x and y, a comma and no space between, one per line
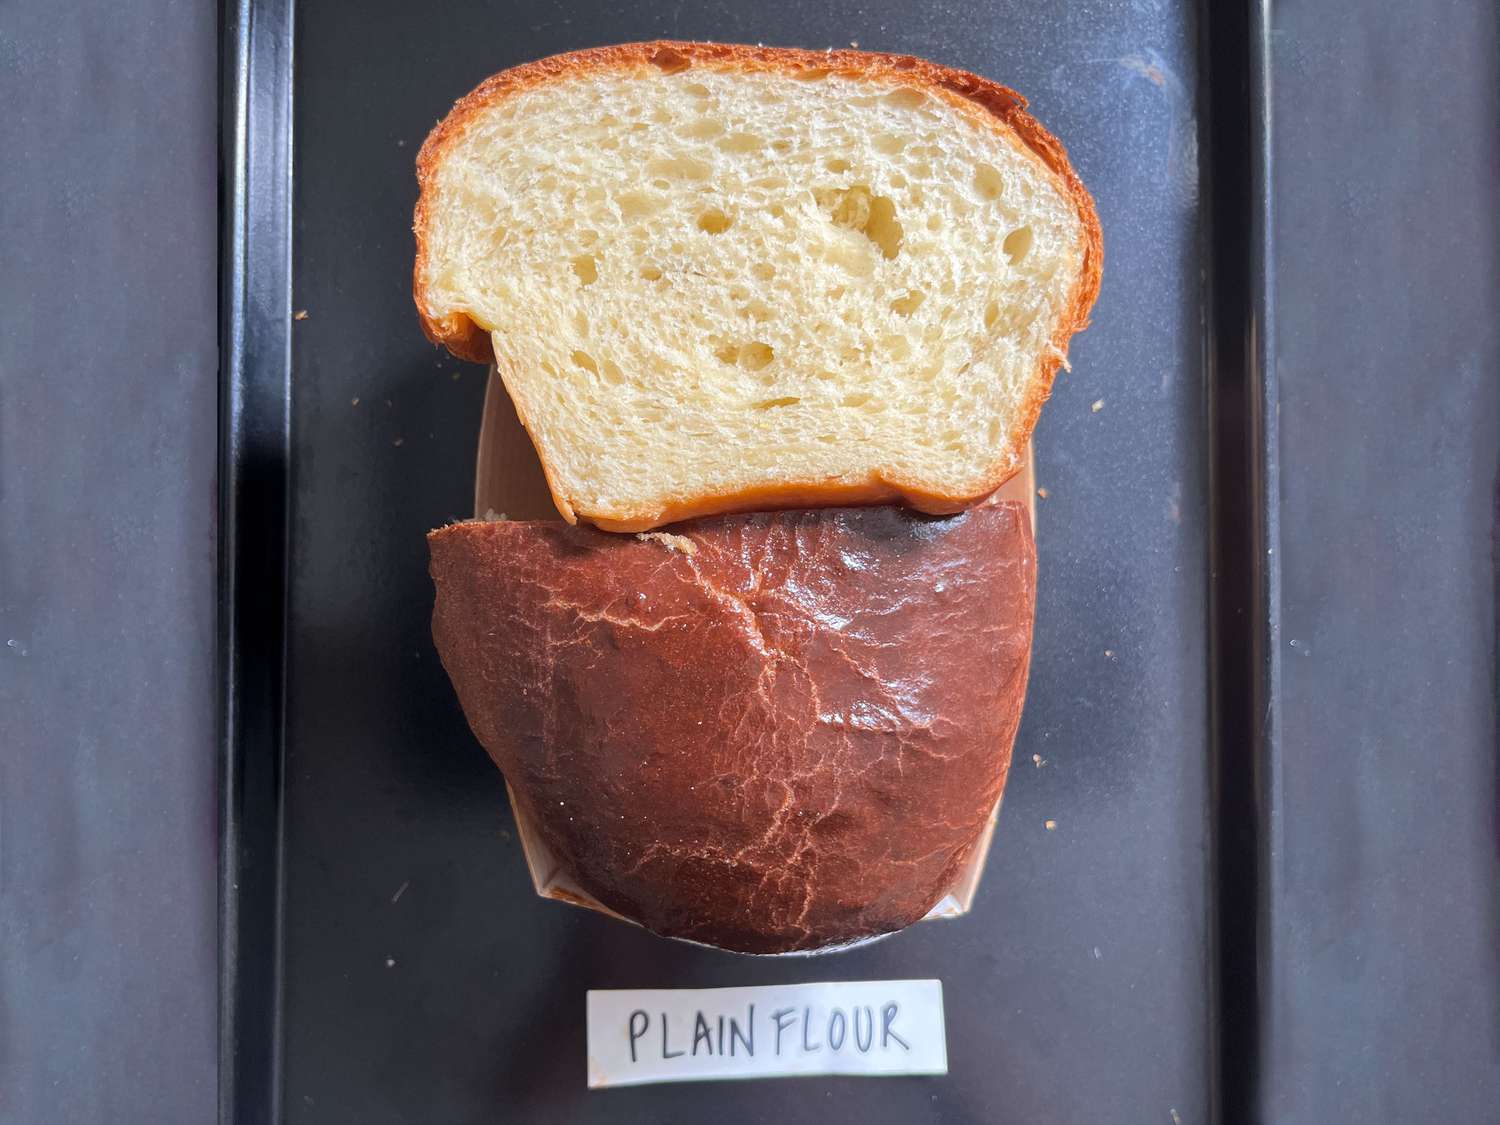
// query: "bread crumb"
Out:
[1051,825]
[354,401]
[1109,652]
[1042,492]
[1175,1119]
[1098,405]
[398,441]
[492,516]
[401,890]
[1038,761]
[854,43]
[390,962]
[457,375]
[679,543]
[300,314]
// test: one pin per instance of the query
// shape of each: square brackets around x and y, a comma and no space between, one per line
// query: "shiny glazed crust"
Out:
[770,732]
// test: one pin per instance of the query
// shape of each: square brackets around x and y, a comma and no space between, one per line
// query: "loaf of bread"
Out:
[723,278]
[767,732]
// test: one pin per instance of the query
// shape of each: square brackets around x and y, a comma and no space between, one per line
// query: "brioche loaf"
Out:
[722,278]
[768,732]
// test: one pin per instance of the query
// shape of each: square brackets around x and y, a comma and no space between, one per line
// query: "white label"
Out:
[868,1027]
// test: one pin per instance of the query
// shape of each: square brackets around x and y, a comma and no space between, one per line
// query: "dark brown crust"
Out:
[985,101]
[789,738]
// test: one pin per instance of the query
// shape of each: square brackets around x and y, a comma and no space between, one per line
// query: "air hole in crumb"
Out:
[586,268]
[650,273]
[741,142]
[836,164]
[680,167]
[703,129]
[772,403]
[782,147]
[856,400]
[763,271]
[714,221]
[635,204]
[874,216]
[991,316]
[934,222]
[586,361]
[1017,244]
[905,98]
[910,303]
[987,182]
[888,144]
[815,75]
[697,89]
[669,61]
[611,372]
[755,355]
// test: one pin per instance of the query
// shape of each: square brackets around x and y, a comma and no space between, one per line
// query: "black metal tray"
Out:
[384,958]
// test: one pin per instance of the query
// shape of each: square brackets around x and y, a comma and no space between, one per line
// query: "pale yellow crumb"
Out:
[300,314]
[1051,825]
[1098,405]
[679,543]
[1042,492]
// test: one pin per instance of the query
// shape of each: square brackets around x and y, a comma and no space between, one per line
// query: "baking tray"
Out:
[383,956]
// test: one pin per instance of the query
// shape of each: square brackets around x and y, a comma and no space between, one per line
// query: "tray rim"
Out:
[257,62]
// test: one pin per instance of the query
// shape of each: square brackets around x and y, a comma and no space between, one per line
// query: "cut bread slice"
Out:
[721,278]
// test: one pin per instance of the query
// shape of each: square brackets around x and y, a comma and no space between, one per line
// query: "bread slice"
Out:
[729,733]
[718,278]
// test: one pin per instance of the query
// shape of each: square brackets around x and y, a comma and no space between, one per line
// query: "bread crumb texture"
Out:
[714,280]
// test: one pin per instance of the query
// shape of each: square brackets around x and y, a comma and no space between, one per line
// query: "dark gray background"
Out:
[108,400]
[1384,883]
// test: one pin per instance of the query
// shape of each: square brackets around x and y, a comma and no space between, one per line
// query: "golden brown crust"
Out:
[984,100]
